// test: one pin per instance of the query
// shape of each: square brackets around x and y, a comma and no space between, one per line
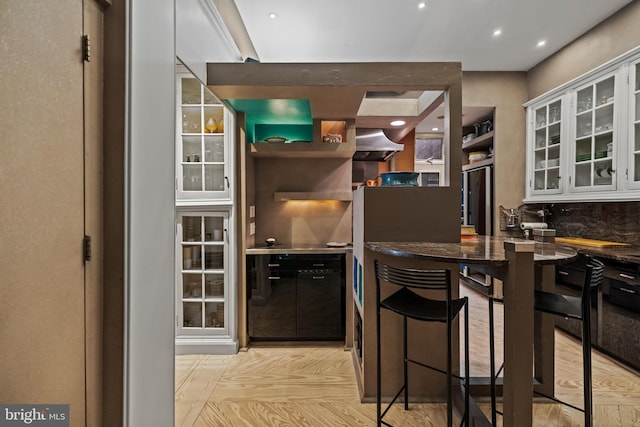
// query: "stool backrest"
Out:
[414,278]
[594,275]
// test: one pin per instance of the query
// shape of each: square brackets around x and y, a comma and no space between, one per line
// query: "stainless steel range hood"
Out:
[372,145]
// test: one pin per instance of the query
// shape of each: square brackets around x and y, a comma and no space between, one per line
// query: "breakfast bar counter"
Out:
[522,265]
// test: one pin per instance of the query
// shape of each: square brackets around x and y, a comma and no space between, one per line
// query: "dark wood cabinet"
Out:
[615,319]
[296,297]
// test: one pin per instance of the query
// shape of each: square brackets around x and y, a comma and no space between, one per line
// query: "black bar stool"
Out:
[578,308]
[409,304]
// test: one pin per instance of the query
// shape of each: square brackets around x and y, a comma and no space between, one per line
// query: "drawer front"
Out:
[280,262]
[623,275]
[320,262]
[565,274]
[625,295]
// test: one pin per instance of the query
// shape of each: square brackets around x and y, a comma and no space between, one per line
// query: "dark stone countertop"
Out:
[485,250]
[629,254]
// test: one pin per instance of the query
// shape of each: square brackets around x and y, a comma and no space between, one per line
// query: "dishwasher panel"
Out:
[320,304]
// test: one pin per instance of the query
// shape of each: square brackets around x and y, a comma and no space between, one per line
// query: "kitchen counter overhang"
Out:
[307,249]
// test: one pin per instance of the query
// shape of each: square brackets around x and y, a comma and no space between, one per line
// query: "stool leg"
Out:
[492,363]
[466,361]
[449,369]
[586,366]
[405,367]
[378,369]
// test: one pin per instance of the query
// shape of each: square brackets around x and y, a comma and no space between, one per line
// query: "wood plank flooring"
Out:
[314,385]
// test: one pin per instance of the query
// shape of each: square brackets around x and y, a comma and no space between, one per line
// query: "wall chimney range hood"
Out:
[372,145]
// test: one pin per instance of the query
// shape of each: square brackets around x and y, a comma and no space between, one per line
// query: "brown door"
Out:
[44,328]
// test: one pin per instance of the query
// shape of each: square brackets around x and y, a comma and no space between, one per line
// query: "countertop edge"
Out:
[309,250]
[626,254]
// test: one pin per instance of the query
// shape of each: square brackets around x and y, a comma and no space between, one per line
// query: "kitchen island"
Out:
[521,264]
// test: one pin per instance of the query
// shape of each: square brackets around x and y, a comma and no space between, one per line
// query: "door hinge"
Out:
[86,48]
[86,248]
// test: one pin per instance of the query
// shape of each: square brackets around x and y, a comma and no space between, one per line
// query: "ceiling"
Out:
[399,31]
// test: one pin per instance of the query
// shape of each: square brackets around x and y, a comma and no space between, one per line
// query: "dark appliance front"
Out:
[477,211]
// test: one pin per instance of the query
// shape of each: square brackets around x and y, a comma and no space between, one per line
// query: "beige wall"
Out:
[302,222]
[609,39]
[507,91]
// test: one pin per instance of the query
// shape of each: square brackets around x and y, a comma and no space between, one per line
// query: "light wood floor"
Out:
[314,385]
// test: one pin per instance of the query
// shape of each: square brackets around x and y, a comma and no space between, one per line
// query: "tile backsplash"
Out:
[612,221]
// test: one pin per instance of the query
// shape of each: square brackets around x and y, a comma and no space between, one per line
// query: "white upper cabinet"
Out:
[546,146]
[633,153]
[583,141]
[592,166]
[203,135]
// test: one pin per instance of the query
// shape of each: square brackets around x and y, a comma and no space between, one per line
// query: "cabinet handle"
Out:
[319,265]
[629,291]
[274,278]
[627,276]
[273,265]
[563,273]
[226,178]
[318,277]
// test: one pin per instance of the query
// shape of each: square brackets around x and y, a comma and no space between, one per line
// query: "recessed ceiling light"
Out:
[422,5]
[435,129]
[398,123]
[541,43]
[273,15]
[497,32]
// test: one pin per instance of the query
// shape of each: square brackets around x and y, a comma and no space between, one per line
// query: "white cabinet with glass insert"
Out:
[203,283]
[599,128]
[547,143]
[202,148]
[592,160]
[633,171]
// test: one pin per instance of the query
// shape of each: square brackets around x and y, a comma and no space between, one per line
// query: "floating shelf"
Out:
[481,142]
[283,196]
[302,150]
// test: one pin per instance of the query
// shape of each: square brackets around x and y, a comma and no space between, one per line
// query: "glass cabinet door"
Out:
[202,169]
[202,284]
[592,162]
[633,173]
[547,141]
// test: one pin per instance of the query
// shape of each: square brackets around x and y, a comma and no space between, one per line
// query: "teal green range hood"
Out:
[276,120]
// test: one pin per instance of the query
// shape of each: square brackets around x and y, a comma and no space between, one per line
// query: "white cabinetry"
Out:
[202,144]
[591,160]
[582,138]
[546,144]
[633,153]
[205,278]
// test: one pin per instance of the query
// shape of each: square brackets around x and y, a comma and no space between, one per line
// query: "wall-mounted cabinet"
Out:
[547,135]
[582,138]
[633,153]
[203,141]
